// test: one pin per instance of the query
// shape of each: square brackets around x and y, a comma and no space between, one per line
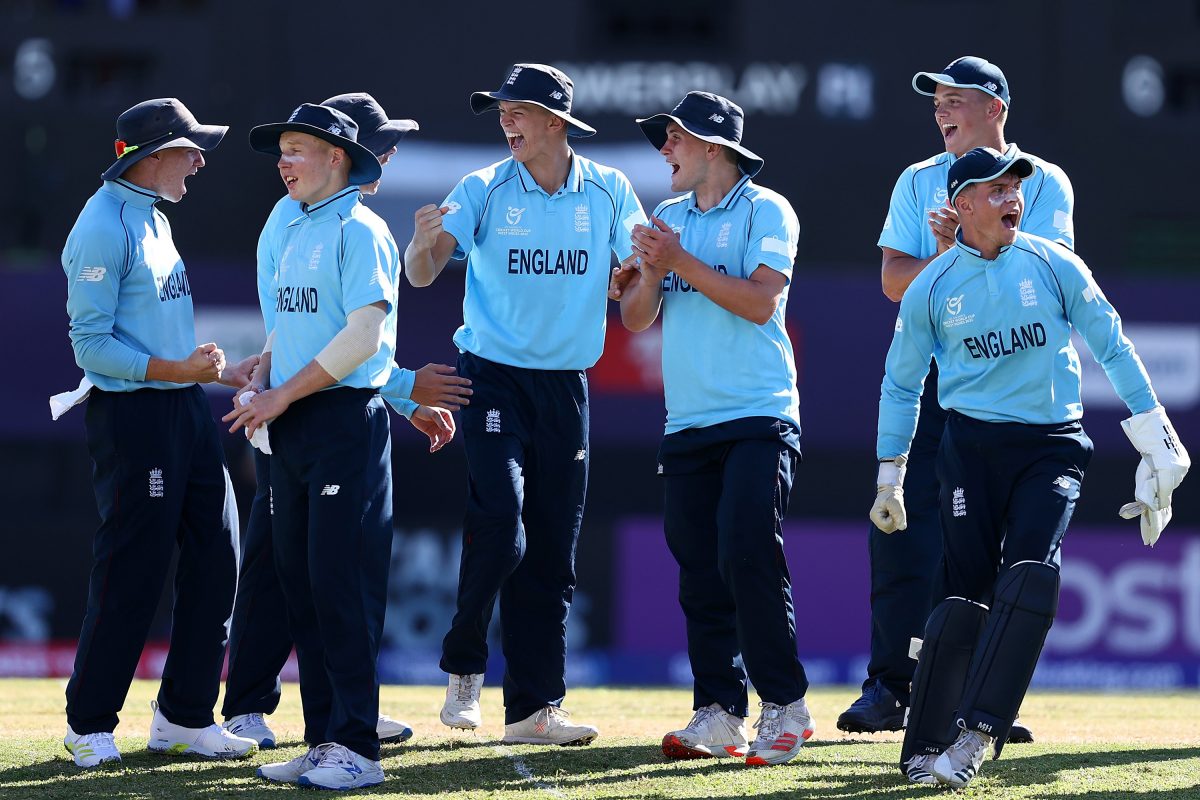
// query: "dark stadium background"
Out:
[1108,90]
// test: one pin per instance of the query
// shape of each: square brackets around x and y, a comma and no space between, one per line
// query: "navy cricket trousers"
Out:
[259,638]
[331,482]
[905,564]
[1008,492]
[726,490]
[160,482]
[526,434]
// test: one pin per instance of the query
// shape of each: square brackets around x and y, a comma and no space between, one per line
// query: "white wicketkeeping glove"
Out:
[888,511]
[1164,463]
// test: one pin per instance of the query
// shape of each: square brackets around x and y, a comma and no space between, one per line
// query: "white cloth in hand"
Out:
[63,402]
[260,439]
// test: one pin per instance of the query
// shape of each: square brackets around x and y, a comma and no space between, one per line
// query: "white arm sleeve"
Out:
[355,343]
[270,342]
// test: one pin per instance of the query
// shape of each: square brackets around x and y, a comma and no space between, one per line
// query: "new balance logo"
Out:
[156,482]
[91,274]
[330,489]
[492,423]
[717,118]
[581,455]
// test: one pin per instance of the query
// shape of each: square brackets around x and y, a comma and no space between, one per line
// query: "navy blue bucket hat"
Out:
[968,72]
[538,84]
[376,132]
[984,164]
[155,125]
[329,125]
[709,117]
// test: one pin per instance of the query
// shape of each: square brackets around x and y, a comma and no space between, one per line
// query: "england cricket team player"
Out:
[259,639]
[159,471]
[330,352]
[718,262]
[996,311]
[970,105]
[536,229]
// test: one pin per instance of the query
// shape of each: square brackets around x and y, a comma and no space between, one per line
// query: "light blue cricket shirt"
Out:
[128,294]
[1000,331]
[538,263]
[336,257]
[398,389]
[921,189]
[718,366]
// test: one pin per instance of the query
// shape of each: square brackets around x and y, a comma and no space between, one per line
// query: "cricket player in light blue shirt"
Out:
[718,261]
[970,104]
[330,351]
[259,639]
[159,470]
[996,312]
[537,230]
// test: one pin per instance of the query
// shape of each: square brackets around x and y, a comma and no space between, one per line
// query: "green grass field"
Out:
[1089,746]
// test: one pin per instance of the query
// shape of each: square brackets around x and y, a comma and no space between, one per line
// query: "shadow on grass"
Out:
[824,770]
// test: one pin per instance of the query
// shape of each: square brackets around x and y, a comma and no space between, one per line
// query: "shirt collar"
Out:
[574,182]
[973,254]
[332,205]
[131,193]
[726,202]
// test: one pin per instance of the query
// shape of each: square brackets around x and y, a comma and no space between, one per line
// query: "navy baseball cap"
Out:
[154,125]
[968,72]
[376,132]
[708,117]
[984,164]
[538,84]
[327,124]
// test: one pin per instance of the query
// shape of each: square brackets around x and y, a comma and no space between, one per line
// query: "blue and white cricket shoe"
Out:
[290,771]
[392,730]
[251,726]
[342,768]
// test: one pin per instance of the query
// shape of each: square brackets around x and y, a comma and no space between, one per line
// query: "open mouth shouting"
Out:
[516,141]
[1010,220]
[949,129]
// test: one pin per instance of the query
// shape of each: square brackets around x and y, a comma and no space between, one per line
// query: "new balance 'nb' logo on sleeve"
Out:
[330,489]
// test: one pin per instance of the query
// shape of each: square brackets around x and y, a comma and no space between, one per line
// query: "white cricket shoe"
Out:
[962,760]
[782,730]
[342,768]
[461,709]
[251,726]
[290,771]
[91,749]
[550,725]
[919,769]
[712,732]
[210,742]
[392,730]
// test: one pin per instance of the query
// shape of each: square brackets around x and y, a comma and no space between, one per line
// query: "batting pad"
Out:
[950,636]
[1026,601]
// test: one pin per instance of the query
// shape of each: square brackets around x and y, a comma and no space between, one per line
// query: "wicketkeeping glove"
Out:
[1164,464]
[888,511]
